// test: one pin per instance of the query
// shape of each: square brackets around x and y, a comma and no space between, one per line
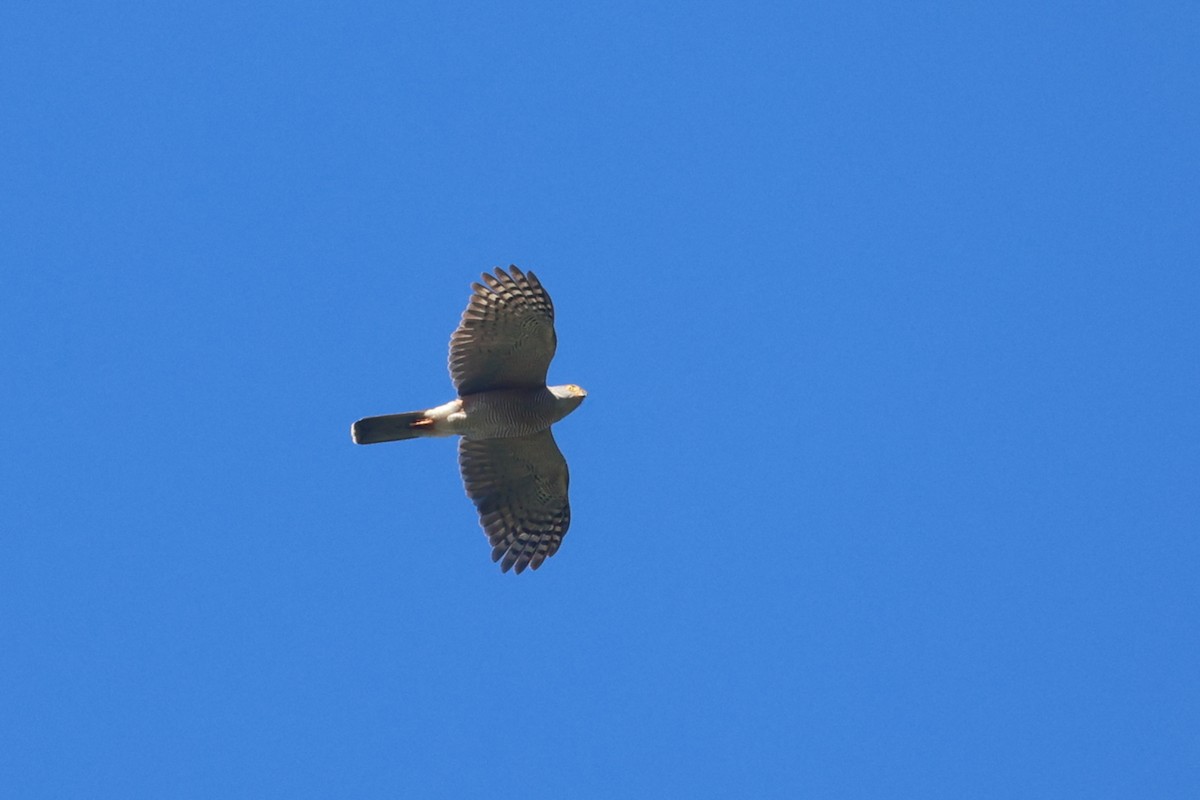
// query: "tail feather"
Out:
[391,428]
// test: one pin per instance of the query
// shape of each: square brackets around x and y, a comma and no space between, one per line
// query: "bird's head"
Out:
[568,395]
[568,391]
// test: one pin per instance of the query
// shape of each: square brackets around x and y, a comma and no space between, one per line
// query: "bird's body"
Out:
[513,470]
[501,414]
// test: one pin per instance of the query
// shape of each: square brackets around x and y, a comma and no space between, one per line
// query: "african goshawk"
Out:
[512,469]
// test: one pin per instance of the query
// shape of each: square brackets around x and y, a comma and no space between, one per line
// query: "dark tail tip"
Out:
[387,428]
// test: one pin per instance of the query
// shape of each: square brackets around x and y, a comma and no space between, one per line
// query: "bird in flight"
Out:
[511,467]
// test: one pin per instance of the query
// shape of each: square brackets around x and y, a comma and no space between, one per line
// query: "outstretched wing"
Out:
[519,486]
[506,337]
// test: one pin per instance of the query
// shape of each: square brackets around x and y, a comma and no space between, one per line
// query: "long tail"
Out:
[391,428]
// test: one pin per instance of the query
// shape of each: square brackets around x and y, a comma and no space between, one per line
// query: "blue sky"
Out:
[886,485]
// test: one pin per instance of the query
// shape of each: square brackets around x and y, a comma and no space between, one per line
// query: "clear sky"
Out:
[888,483]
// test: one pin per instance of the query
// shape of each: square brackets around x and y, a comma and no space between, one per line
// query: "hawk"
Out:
[511,467]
